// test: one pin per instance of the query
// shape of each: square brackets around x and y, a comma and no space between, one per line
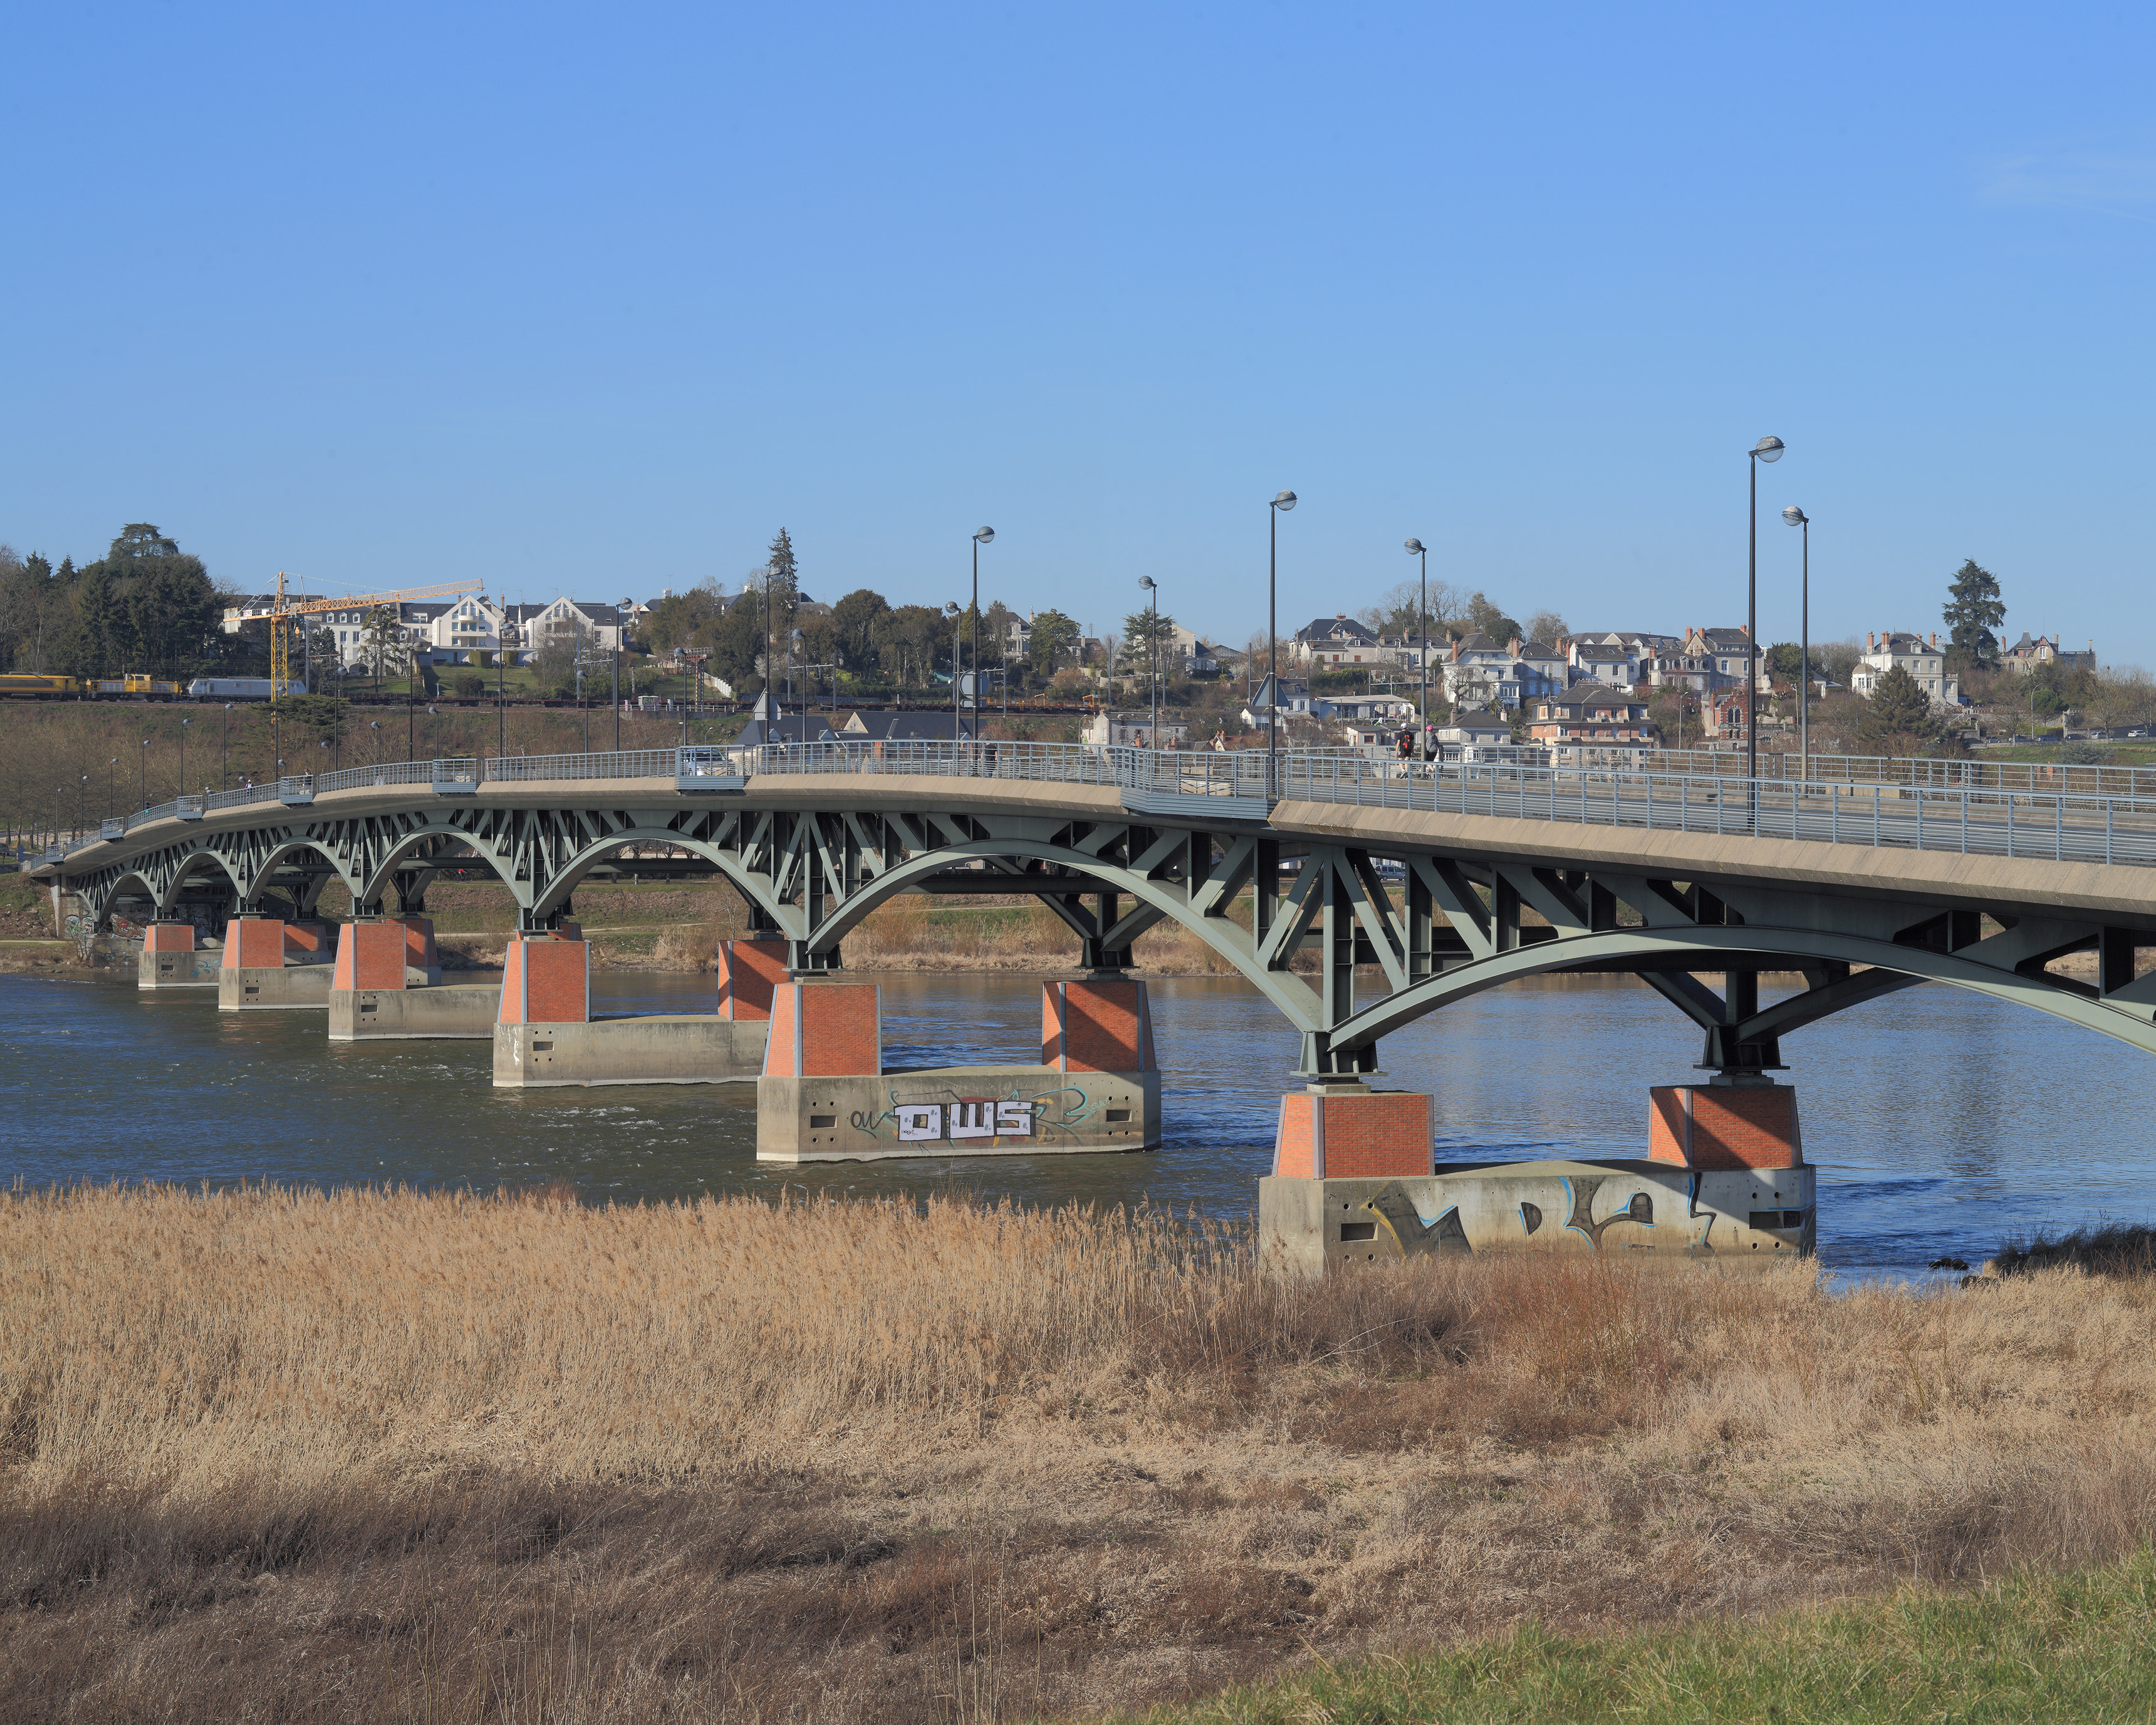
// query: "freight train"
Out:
[141,688]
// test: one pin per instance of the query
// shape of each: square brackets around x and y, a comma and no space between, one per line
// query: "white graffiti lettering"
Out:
[972,1120]
[920,1120]
[1014,1119]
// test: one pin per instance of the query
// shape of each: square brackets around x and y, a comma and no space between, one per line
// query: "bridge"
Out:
[1444,879]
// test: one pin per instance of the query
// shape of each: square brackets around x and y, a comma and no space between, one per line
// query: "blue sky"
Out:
[598,299]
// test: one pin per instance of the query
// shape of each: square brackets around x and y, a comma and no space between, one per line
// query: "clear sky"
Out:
[598,298]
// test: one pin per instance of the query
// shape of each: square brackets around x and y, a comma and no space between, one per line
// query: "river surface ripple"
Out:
[1941,1122]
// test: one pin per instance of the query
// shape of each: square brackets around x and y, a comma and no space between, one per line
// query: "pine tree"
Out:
[1974,612]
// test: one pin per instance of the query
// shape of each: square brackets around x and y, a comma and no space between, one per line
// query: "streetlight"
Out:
[987,535]
[1285,501]
[793,643]
[375,726]
[184,723]
[111,787]
[1416,548]
[1767,449]
[1153,649]
[620,634]
[80,783]
[224,752]
[952,611]
[145,758]
[1797,518]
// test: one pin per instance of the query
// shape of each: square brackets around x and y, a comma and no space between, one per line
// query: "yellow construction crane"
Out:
[283,609]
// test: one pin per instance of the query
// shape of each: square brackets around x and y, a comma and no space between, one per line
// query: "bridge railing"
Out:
[1977,818]
[1934,772]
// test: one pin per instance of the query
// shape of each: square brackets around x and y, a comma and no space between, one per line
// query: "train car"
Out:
[239,688]
[48,688]
[139,688]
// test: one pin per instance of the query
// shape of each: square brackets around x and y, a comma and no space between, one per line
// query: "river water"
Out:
[1941,1122]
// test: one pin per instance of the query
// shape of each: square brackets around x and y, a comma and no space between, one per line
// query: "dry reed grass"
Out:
[287,1455]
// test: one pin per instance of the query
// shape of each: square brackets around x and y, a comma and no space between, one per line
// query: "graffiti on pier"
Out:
[936,1116]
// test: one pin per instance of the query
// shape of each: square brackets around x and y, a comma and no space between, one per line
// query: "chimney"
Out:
[1339,616]
[1871,640]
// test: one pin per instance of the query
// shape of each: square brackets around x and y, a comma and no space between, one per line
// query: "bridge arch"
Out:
[564,883]
[1284,990]
[2132,1024]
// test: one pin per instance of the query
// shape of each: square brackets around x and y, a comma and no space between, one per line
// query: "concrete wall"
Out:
[690,1049]
[198,971]
[459,1012]
[954,1110]
[1649,1210]
[242,989]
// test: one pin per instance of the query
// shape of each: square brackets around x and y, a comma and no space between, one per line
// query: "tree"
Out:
[1484,618]
[1148,645]
[383,634]
[1545,627]
[1054,643]
[785,577]
[1974,612]
[854,619]
[1898,711]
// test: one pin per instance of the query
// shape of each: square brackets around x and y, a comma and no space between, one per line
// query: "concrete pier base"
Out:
[826,1096]
[461,1012]
[545,1037]
[171,960]
[955,1110]
[247,987]
[268,964]
[1723,1181]
[687,1048]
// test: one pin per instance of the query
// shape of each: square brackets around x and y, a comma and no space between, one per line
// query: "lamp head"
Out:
[986,536]
[1148,582]
[1415,548]
[951,607]
[1285,501]
[1767,449]
[1795,516]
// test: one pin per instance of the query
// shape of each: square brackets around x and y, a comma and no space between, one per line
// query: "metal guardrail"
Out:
[1977,817]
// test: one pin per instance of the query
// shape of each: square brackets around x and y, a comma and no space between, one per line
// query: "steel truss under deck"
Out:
[1438,923]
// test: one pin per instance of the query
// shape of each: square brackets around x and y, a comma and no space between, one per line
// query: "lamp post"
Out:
[620,634]
[1767,449]
[986,536]
[375,726]
[951,610]
[184,723]
[1797,518]
[145,758]
[502,639]
[224,752]
[1152,649]
[112,787]
[793,648]
[1285,501]
[1416,548]
[80,783]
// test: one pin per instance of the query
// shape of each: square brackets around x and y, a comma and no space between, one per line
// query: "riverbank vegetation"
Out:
[277,1454]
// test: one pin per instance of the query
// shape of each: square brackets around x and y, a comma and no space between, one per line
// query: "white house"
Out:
[1137,731]
[1334,642]
[1922,657]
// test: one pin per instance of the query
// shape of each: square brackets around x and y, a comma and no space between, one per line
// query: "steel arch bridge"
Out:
[1303,896]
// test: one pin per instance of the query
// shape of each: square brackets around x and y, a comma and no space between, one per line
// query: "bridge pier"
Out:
[171,959]
[1723,1181]
[545,1036]
[826,1096]
[388,986]
[271,964]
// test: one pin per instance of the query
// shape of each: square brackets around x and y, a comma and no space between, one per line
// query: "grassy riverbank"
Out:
[280,1455]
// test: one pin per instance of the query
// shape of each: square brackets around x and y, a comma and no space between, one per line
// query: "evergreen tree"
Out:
[1054,641]
[785,576]
[1974,612]
[1899,711]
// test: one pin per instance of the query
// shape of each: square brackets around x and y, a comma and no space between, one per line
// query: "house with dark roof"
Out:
[2027,653]
[1592,724]
[1334,642]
